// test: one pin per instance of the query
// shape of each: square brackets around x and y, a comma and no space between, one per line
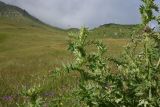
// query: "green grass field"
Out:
[28,52]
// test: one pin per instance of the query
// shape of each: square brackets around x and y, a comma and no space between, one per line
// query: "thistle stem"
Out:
[158,63]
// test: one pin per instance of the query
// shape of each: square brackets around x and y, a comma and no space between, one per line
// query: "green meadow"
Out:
[30,51]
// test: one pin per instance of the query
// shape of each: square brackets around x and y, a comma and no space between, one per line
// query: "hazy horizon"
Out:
[76,13]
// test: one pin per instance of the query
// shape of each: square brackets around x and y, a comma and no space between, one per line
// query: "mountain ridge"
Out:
[12,14]
[10,11]
[16,15]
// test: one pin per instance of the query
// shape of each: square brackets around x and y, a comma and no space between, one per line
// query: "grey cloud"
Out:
[76,13]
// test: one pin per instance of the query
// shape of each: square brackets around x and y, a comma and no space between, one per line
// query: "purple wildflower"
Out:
[8,98]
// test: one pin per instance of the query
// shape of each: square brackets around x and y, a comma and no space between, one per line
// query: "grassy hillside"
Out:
[114,30]
[28,54]
[110,31]
[16,14]
[30,50]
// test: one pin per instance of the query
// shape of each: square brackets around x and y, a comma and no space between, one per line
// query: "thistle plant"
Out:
[92,67]
[146,11]
[32,97]
[136,83]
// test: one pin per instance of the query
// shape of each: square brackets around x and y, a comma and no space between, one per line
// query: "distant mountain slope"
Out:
[15,13]
[12,15]
[114,30]
[21,31]
[72,30]
[110,31]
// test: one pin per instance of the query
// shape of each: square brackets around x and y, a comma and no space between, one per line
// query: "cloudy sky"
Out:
[76,13]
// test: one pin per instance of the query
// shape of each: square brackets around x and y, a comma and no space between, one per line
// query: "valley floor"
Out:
[29,54]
